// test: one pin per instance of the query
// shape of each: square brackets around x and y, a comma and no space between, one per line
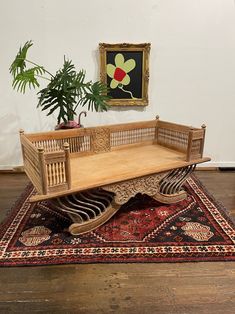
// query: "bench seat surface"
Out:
[123,164]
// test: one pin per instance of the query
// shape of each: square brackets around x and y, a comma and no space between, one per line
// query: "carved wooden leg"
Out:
[170,187]
[88,210]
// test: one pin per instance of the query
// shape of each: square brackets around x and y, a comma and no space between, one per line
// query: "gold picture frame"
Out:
[125,69]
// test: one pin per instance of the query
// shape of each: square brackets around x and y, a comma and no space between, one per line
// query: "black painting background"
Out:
[135,85]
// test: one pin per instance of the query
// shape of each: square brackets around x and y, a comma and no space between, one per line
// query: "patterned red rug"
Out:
[196,229]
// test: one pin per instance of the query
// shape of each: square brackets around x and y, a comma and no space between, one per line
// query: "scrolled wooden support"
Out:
[87,210]
[171,198]
[170,187]
[173,182]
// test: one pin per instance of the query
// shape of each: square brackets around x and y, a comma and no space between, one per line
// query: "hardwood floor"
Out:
[179,288]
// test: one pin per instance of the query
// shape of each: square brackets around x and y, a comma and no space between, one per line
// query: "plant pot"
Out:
[71,124]
[68,125]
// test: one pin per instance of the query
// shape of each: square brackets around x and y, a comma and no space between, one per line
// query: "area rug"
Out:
[142,231]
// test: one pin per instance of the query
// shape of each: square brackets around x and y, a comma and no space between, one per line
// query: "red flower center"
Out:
[119,74]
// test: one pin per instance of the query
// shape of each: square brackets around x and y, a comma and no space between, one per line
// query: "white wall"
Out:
[192,64]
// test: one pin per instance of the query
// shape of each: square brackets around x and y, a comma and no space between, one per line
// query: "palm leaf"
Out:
[63,77]
[57,100]
[23,78]
[27,78]
[96,97]
[63,91]
[19,64]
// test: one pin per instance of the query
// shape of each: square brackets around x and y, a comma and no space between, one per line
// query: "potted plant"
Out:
[65,91]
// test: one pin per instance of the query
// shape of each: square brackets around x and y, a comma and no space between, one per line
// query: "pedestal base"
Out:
[90,209]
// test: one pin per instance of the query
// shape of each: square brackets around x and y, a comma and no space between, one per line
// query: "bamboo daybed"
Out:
[90,172]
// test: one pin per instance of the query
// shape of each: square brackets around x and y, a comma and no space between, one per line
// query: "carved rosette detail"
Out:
[125,190]
[101,140]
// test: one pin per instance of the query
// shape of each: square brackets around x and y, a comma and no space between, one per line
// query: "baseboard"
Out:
[218,164]
[201,168]
[17,169]
[226,169]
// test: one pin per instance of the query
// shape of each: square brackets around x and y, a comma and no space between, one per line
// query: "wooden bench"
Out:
[90,172]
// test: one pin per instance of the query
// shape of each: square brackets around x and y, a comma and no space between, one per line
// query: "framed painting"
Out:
[125,70]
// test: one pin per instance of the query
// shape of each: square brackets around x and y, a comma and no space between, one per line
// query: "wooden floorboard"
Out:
[178,288]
